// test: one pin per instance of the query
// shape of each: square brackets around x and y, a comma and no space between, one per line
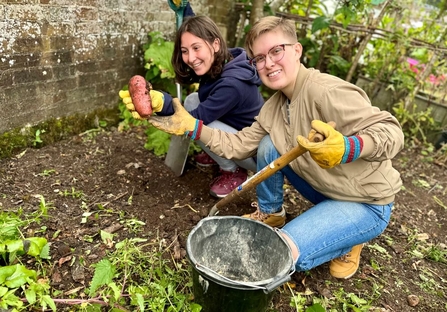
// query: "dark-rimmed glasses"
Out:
[275,54]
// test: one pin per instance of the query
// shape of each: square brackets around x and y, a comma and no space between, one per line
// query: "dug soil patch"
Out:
[114,178]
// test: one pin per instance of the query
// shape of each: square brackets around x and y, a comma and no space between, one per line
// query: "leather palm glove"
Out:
[335,149]
[181,123]
[157,101]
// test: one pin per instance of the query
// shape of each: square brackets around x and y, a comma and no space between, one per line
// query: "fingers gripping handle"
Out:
[318,137]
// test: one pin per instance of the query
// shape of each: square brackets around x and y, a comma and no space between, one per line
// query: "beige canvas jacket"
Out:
[327,98]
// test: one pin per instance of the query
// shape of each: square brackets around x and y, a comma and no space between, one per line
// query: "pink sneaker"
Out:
[227,181]
[204,160]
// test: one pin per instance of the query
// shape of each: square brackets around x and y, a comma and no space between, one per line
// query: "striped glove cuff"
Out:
[195,134]
[353,148]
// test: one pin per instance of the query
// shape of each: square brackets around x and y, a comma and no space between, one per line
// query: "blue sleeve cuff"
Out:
[168,109]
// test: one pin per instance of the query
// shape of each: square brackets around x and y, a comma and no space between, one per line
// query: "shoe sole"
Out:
[344,277]
[276,226]
[205,165]
[217,195]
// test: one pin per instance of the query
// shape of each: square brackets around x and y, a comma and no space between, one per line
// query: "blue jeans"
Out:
[327,230]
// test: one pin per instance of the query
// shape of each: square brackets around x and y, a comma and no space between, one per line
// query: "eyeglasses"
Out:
[276,54]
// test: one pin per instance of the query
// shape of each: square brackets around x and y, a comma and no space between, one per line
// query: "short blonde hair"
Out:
[267,24]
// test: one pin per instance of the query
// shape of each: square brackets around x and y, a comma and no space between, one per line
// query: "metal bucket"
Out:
[237,263]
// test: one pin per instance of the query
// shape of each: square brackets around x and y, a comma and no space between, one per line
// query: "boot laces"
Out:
[258,214]
[345,258]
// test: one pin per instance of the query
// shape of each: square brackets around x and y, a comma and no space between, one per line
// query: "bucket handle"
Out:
[277,282]
[267,288]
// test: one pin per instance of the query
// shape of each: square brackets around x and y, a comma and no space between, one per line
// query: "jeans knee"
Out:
[192,101]
[265,147]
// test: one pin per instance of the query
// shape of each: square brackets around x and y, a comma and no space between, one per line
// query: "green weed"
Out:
[137,275]
[427,282]
[47,173]
[15,277]
[143,275]
[37,139]
[350,301]
[436,253]
[72,193]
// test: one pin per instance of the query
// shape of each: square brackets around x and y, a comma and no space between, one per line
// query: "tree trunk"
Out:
[303,29]
[257,11]
[365,41]
[240,32]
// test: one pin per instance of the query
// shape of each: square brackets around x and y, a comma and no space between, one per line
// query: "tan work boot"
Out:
[346,265]
[277,219]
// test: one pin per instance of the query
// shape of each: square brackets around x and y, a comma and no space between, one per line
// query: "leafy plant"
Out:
[47,172]
[73,193]
[436,253]
[139,275]
[157,141]
[350,301]
[16,278]
[416,125]
[159,69]
[37,139]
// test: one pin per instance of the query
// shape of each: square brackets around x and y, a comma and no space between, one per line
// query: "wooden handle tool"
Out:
[265,172]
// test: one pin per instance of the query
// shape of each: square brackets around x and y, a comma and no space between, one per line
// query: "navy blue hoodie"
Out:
[232,98]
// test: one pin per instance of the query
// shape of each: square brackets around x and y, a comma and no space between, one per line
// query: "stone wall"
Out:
[65,57]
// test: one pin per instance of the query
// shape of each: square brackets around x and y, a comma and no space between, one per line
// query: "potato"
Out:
[139,92]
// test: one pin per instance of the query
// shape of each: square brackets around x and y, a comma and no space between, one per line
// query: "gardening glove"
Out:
[335,149]
[157,101]
[181,123]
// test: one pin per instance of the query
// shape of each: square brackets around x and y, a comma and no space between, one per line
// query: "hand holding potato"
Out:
[140,99]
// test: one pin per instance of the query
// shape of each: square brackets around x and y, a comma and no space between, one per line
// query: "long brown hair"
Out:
[204,28]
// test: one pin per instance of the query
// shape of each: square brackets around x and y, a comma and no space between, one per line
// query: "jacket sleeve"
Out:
[240,145]
[388,139]
[353,114]
[167,109]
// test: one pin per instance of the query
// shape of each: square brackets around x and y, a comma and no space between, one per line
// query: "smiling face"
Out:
[197,53]
[280,75]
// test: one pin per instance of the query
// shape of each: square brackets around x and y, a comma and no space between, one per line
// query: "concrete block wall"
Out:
[64,57]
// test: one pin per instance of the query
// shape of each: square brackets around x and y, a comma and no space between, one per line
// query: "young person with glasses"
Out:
[228,97]
[348,176]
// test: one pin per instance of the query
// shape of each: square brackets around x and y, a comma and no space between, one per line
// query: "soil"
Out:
[113,170]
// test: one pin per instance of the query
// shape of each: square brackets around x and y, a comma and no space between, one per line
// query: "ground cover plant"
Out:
[115,221]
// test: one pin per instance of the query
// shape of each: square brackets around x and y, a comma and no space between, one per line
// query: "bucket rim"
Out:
[284,275]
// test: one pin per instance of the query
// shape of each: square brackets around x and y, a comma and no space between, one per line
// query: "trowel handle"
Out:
[266,172]
[179,91]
